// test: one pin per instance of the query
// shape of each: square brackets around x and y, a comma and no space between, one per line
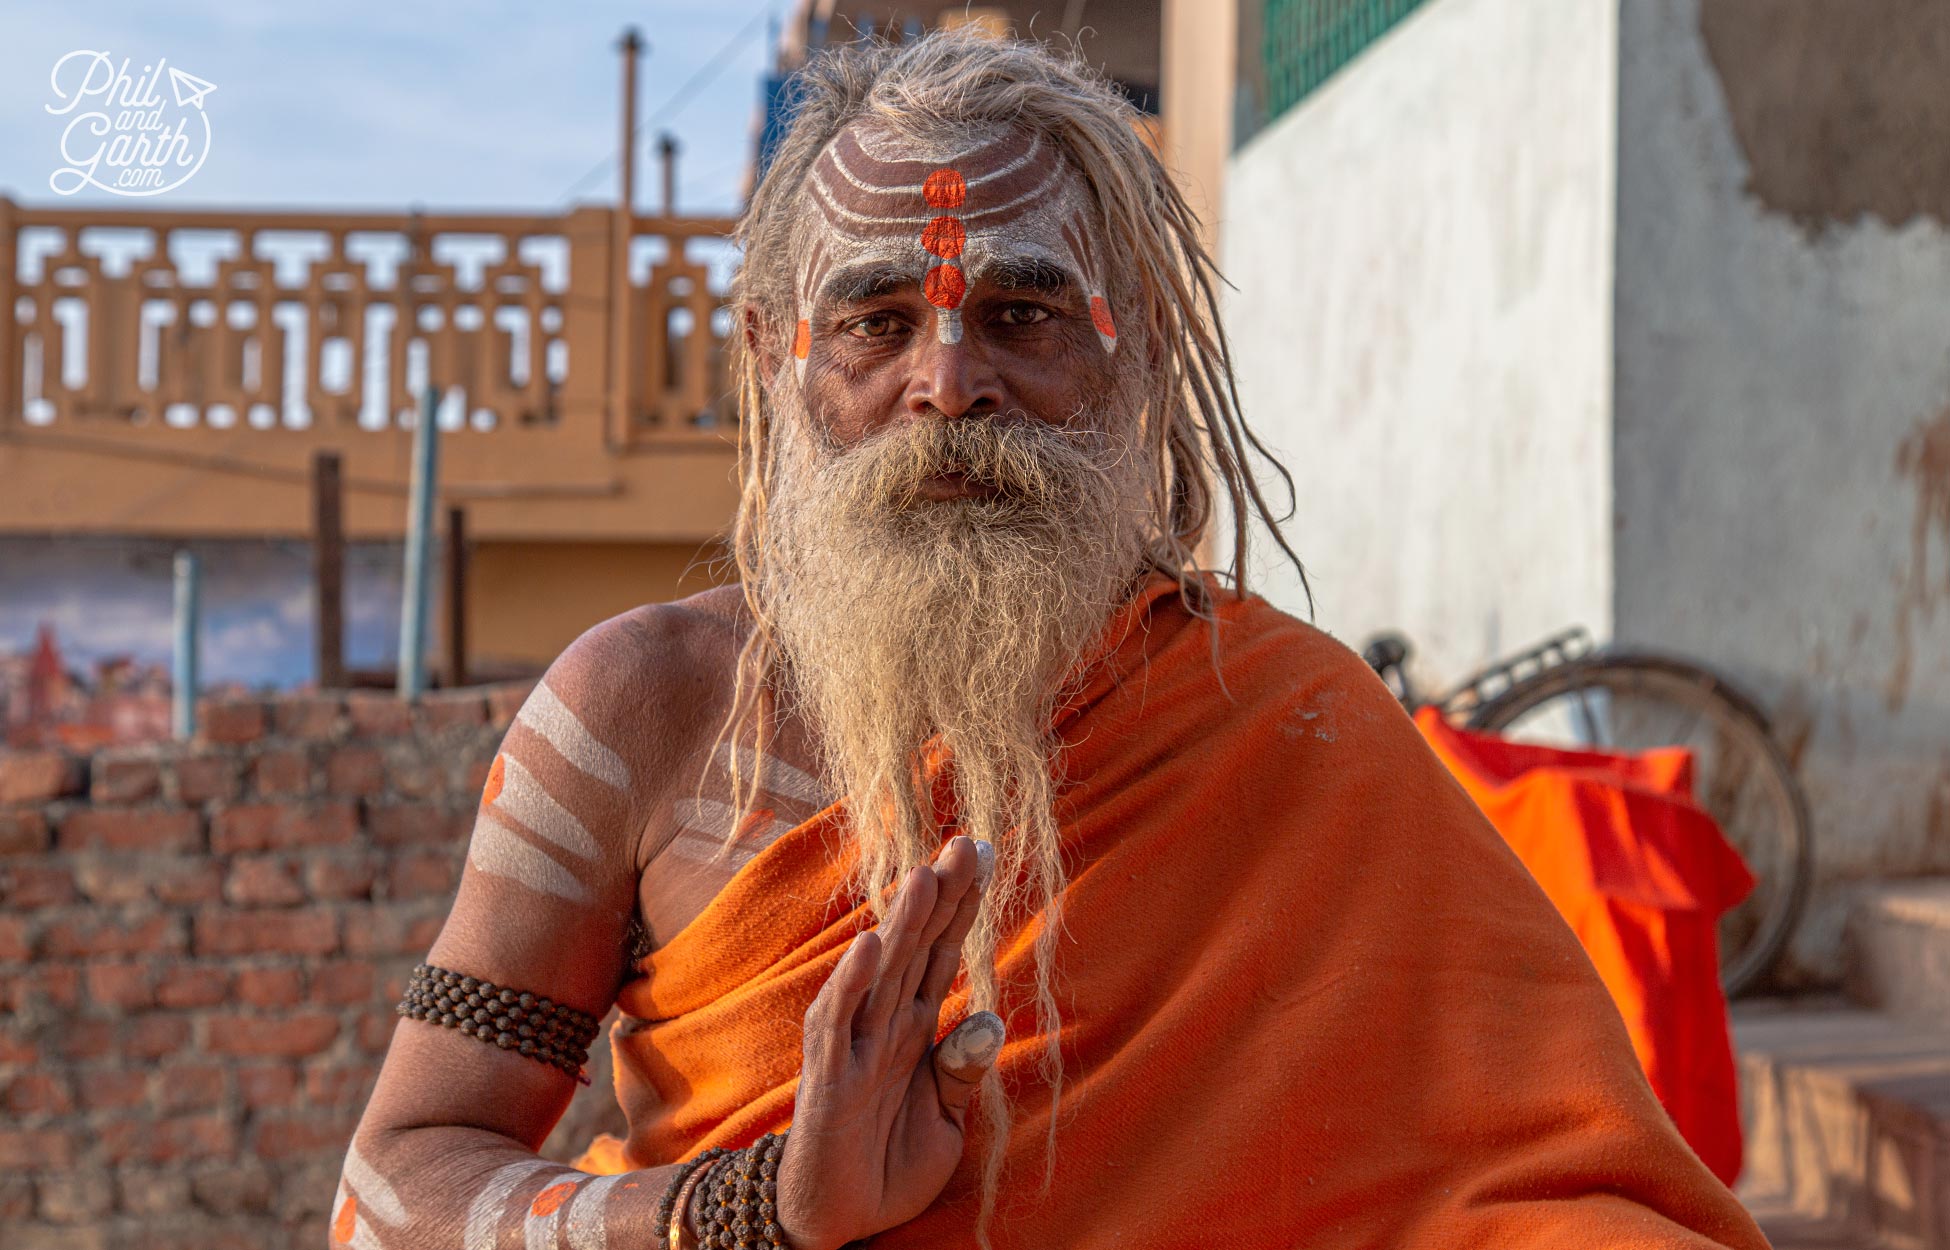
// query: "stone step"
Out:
[1897,949]
[1846,1113]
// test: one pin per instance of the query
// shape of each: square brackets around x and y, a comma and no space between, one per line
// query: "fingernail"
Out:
[972,1046]
[984,863]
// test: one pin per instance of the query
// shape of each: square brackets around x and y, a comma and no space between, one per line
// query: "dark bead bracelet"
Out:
[529,1024]
[741,1198]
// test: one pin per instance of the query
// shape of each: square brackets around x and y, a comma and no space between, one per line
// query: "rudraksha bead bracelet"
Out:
[517,1020]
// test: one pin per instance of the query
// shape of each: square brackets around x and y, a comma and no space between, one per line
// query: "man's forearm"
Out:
[422,1188]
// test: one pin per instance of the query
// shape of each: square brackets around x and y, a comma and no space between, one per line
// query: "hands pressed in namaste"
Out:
[878,1124]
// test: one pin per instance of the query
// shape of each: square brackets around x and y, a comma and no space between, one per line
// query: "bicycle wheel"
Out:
[1622,701]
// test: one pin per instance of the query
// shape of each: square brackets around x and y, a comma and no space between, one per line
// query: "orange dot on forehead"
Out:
[944,286]
[944,188]
[945,237]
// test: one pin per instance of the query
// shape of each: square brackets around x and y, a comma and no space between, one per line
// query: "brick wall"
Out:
[200,947]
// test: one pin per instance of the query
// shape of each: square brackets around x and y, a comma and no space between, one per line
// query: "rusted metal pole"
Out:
[425,484]
[185,667]
[667,156]
[456,597]
[622,229]
[328,567]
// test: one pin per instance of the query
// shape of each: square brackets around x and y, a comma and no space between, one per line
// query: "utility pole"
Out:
[412,678]
[622,230]
[328,567]
[667,155]
[456,597]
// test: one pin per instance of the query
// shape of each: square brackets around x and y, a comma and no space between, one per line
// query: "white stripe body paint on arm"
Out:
[490,1206]
[546,714]
[585,1219]
[527,800]
[500,852]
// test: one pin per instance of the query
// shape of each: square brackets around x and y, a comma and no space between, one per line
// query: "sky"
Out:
[358,104]
[377,104]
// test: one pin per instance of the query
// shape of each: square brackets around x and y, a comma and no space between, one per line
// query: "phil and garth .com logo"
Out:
[123,135]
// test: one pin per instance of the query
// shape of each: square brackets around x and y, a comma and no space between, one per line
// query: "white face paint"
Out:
[942,214]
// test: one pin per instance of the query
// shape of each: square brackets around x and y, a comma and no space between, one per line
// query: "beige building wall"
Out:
[526,601]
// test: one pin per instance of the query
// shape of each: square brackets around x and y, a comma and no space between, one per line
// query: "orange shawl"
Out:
[1310,998]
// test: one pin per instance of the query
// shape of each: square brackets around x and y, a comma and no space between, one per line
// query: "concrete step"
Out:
[1897,949]
[1847,1119]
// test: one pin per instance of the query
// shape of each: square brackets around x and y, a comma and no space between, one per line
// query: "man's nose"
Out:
[955,379]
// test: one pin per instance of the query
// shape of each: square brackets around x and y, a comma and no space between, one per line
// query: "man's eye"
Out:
[1024,314]
[873,326]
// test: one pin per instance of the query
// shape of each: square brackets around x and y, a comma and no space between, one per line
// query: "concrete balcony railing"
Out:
[139,395]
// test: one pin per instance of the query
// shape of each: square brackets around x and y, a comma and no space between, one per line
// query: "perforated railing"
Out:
[1303,42]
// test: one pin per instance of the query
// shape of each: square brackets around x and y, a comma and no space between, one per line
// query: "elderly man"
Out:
[979,872]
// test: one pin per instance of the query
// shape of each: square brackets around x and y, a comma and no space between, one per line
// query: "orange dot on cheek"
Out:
[802,339]
[944,188]
[347,1222]
[944,286]
[945,237]
[1100,317]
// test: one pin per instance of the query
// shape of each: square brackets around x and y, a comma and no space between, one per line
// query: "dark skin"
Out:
[878,1123]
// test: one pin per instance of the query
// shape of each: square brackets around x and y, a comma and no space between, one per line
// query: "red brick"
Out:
[376,1032]
[139,1191]
[408,929]
[17,1044]
[290,1037]
[193,985]
[402,824]
[183,881]
[155,1037]
[284,772]
[201,778]
[263,881]
[80,1197]
[60,984]
[230,720]
[355,770]
[16,1199]
[312,717]
[93,934]
[504,702]
[308,931]
[23,832]
[205,1135]
[456,709]
[267,1085]
[345,982]
[131,829]
[86,1038]
[39,1093]
[35,1150]
[341,877]
[379,716]
[276,826]
[26,885]
[291,1136]
[125,985]
[234,1189]
[423,874]
[269,987]
[36,776]
[190,1087]
[124,779]
[113,1089]
[16,941]
[340,1086]
[412,773]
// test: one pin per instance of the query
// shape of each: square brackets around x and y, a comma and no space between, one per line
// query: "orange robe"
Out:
[1642,875]
[1310,997]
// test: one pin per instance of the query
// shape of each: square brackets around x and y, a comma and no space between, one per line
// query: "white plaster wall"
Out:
[1422,251]
[1766,379]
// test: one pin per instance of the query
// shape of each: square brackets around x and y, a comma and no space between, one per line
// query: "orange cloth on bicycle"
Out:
[1310,998]
[1642,875]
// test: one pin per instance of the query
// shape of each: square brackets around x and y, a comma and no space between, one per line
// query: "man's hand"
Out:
[878,1125]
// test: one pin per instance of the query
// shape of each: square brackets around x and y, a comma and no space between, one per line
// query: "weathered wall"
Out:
[1783,395]
[1423,255]
[200,949]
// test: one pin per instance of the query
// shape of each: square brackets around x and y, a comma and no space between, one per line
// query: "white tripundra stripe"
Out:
[529,802]
[839,163]
[500,852]
[585,1220]
[484,1216]
[968,218]
[778,776]
[548,716]
[371,1189]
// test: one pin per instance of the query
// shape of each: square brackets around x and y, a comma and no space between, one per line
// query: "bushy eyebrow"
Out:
[864,282]
[1028,273]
